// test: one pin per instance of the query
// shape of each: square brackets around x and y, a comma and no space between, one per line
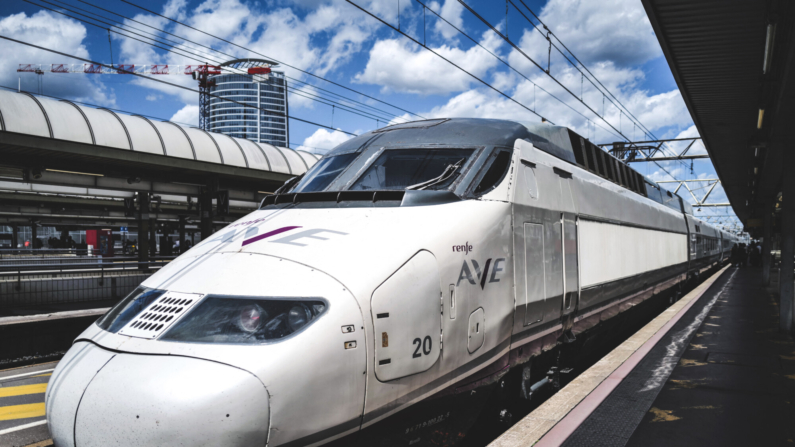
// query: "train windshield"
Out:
[323,173]
[413,169]
[394,169]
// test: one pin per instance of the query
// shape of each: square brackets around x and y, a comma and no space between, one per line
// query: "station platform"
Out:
[713,369]
[22,421]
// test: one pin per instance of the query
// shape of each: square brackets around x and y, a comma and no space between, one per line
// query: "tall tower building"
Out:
[267,123]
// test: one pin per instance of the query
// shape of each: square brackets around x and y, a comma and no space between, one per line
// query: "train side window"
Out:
[627,177]
[616,170]
[578,151]
[589,152]
[608,168]
[584,154]
[624,178]
[641,185]
[495,173]
[634,177]
[600,163]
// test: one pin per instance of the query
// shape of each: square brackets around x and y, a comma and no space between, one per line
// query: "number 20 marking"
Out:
[425,344]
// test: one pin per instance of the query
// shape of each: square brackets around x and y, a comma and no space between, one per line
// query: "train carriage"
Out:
[380,298]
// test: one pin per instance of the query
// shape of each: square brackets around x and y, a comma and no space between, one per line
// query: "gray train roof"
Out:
[465,131]
[64,120]
[555,140]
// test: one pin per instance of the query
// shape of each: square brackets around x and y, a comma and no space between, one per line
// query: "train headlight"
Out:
[224,319]
[298,316]
[251,318]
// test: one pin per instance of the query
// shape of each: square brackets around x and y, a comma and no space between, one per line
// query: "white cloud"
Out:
[615,30]
[401,66]
[323,141]
[697,147]
[59,33]
[451,11]
[153,97]
[322,41]
[187,115]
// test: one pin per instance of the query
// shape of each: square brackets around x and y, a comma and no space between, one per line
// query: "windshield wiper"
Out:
[289,184]
[449,171]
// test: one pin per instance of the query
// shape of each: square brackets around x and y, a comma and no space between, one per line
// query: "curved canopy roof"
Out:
[64,120]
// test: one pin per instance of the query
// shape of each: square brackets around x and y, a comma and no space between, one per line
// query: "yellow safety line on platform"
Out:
[21,411]
[23,389]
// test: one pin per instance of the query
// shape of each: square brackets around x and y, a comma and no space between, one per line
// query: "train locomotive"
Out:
[380,298]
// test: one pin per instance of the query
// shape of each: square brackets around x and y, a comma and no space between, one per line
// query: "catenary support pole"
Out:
[143,229]
[33,235]
[14,236]
[182,220]
[152,237]
[206,207]
[766,242]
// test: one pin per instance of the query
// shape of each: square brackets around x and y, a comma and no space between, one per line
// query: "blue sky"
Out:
[335,40]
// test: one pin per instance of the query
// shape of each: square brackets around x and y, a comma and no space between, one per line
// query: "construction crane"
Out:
[200,73]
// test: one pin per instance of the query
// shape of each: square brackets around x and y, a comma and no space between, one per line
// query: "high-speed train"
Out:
[382,297]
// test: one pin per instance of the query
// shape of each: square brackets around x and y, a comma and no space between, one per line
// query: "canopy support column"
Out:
[766,242]
[787,242]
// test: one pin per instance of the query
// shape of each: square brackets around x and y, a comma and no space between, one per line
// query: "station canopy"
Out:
[37,131]
[733,62]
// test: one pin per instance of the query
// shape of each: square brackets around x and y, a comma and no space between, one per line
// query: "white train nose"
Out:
[146,400]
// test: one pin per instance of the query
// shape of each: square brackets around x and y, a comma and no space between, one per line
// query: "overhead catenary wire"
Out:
[493,29]
[470,74]
[184,39]
[271,58]
[182,52]
[620,105]
[172,84]
[505,63]
[448,61]
[515,47]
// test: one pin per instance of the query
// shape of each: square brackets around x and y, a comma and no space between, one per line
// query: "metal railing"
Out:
[43,262]
[29,286]
[6,252]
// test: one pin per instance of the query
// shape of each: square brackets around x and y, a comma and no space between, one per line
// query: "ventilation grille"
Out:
[160,315]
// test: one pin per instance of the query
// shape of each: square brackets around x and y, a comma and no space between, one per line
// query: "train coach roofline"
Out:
[558,141]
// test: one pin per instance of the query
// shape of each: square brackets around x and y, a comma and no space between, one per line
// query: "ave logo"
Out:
[490,272]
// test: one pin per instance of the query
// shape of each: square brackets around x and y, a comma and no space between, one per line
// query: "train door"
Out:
[571,277]
[545,237]
[406,311]
[544,240]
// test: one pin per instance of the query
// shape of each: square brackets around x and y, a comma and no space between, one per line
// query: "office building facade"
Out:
[265,122]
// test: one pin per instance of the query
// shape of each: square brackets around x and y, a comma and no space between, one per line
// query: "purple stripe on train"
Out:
[267,235]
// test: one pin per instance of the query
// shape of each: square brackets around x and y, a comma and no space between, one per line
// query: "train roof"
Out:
[558,141]
[464,131]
